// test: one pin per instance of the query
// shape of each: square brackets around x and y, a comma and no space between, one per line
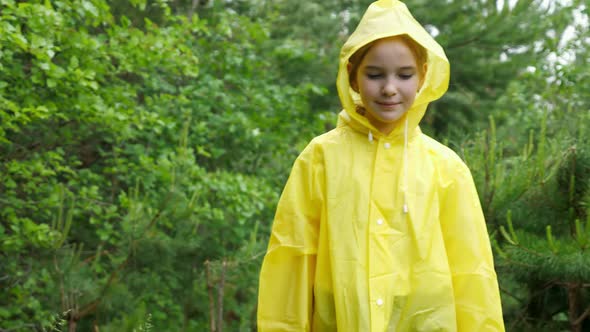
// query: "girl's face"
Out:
[387,81]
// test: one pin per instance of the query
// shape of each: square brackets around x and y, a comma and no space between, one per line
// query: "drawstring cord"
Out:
[370,136]
[406,166]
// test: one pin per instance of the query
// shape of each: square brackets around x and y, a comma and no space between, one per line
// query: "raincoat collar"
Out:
[344,119]
[387,18]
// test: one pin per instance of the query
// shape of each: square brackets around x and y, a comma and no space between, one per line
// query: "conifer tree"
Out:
[488,46]
[533,174]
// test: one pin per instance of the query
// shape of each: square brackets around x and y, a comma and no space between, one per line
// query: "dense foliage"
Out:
[144,144]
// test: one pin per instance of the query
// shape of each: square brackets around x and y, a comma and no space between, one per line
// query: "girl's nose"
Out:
[389,89]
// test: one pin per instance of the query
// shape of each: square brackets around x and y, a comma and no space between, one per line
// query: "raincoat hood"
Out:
[388,18]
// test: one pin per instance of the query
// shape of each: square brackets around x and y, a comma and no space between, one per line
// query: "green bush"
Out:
[144,144]
[133,155]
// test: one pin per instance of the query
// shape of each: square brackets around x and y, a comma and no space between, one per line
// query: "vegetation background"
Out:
[144,145]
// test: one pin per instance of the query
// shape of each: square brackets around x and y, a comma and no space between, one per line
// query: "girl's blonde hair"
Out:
[419,52]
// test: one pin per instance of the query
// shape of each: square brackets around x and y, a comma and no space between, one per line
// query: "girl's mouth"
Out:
[389,104]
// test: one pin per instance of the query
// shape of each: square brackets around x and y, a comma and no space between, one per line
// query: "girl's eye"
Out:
[374,76]
[406,76]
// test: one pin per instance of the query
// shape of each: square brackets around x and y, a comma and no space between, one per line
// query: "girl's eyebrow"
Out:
[373,67]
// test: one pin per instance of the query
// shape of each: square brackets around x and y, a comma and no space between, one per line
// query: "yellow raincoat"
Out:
[380,233]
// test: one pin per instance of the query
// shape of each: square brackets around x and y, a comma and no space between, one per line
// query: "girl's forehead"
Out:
[390,51]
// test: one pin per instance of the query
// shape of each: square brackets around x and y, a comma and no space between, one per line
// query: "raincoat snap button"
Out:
[387,145]
[379,302]
[380,222]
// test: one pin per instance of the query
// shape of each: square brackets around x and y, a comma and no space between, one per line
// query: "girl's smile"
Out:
[389,105]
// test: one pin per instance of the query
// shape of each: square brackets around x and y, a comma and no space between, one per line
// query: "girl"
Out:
[379,227]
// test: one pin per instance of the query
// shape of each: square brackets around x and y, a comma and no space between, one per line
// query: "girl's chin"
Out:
[389,117]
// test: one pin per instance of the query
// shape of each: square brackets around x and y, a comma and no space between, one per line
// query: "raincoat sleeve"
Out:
[477,297]
[285,296]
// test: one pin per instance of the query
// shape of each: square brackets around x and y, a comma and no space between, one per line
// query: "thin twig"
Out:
[573,296]
[211,299]
[220,290]
[503,290]
[582,317]
[191,11]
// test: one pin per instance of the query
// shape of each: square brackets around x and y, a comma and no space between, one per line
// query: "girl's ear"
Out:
[352,80]
[423,76]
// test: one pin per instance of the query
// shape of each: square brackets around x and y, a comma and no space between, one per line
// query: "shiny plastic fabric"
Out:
[345,256]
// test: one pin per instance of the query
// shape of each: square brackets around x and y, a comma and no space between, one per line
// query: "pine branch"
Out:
[503,290]
[91,306]
[522,313]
